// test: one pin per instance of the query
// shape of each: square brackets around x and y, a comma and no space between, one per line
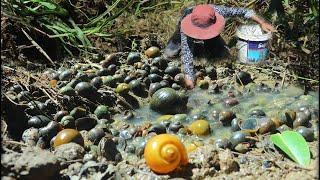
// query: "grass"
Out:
[56,22]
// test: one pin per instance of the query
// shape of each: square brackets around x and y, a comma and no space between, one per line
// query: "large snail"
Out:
[66,136]
[164,153]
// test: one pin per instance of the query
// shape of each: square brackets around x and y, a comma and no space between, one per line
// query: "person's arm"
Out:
[246,13]
[264,25]
[187,61]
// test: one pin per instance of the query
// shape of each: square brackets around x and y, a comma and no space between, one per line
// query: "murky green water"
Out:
[202,103]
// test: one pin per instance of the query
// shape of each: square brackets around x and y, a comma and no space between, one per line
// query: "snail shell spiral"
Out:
[164,153]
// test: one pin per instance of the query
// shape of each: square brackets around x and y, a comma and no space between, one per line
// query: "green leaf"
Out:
[294,145]
[48,5]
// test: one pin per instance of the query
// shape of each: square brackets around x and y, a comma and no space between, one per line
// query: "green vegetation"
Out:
[294,145]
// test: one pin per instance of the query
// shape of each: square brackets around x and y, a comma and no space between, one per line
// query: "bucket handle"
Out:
[242,45]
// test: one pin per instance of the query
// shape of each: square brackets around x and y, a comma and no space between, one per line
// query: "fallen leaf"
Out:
[294,145]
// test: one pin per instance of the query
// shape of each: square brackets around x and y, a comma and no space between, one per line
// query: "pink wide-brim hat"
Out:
[203,23]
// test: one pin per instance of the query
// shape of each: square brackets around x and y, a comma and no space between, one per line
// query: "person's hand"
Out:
[188,83]
[268,27]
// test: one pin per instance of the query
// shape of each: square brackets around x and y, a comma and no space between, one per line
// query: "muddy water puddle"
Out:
[203,104]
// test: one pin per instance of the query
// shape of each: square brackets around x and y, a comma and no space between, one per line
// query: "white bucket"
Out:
[252,44]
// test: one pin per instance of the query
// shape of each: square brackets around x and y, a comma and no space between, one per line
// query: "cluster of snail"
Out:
[116,85]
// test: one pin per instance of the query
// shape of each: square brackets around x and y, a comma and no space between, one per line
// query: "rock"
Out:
[107,149]
[69,151]
[205,157]
[227,162]
[30,136]
[74,168]
[33,163]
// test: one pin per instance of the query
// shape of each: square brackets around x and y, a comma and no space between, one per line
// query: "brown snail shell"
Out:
[68,135]
[152,52]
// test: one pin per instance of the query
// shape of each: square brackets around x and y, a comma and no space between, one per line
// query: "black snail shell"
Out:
[168,78]
[158,129]
[283,127]
[257,113]
[164,83]
[85,123]
[136,86]
[266,125]
[50,130]
[59,115]
[211,72]
[250,125]
[225,117]
[243,78]
[175,86]
[235,124]
[129,78]
[16,88]
[168,101]
[146,81]
[85,89]
[38,121]
[73,82]
[222,143]
[154,87]
[172,70]
[97,82]
[302,119]
[133,57]
[102,72]
[112,68]
[238,137]
[24,96]
[155,70]
[146,67]
[154,78]
[179,78]
[66,75]
[78,112]
[175,126]
[160,62]
[307,133]
[95,135]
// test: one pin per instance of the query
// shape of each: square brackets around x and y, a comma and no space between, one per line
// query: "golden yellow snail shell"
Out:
[164,153]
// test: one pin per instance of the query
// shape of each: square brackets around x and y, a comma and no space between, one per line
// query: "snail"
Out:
[164,153]
[152,52]
[200,127]
[68,135]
